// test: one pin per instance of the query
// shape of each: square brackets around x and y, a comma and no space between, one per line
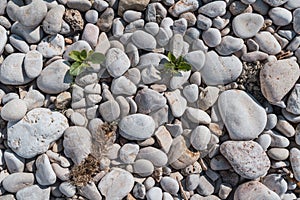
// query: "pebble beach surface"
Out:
[128,128]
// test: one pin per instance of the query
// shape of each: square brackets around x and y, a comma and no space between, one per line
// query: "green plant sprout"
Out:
[175,65]
[84,59]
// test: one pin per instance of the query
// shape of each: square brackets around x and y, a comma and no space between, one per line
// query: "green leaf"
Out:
[75,55]
[169,66]
[96,58]
[83,54]
[76,68]
[184,66]
[171,57]
[179,60]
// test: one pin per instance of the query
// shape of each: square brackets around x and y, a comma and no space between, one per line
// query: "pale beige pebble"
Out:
[273,79]
[254,190]
[278,153]
[285,127]
[295,162]
[163,138]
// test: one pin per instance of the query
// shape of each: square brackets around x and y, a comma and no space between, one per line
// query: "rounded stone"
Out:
[247,158]
[11,71]
[280,16]
[219,70]
[242,116]
[276,183]
[121,180]
[229,45]
[274,84]
[55,78]
[137,127]
[246,25]
[109,110]
[143,167]
[128,152]
[157,157]
[154,193]
[9,111]
[34,192]
[200,138]
[213,9]
[51,46]
[143,40]
[33,134]
[211,37]
[77,143]
[33,64]
[196,59]
[16,181]
[44,173]
[267,43]
[254,190]
[169,185]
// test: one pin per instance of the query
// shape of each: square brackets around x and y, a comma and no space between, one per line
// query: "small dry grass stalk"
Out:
[83,173]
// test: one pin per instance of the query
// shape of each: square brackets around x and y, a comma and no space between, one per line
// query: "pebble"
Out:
[143,167]
[273,73]
[191,93]
[213,9]
[54,78]
[16,181]
[249,119]
[44,172]
[33,63]
[14,163]
[276,183]
[203,22]
[143,40]
[189,17]
[295,161]
[229,45]
[149,100]
[200,138]
[264,140]
[280,16]
[192,181]
[100,5]
[176,102]
[139,191]
[296,20]
[183,6]
[60,172]
[90,34]
[150,75]
[278,140]
[119,178]
[197,116]
[9,113]
[211,37]
[53,21]
[116,62]
[247,158]
[137,127]
[275,3]
[267,43]
[51,46]
[123,86]
[271,121]
[67,189]
[254,190]
[3,5]
[169,185]
[285,127]
[293,102]
[30,16]
[30,34]
[151,28]
[155,193]
[218,70]
[90,191]
[224,191]
[3,36]
[13,62]
[77,119]
[26,133]
[278,153]
[246,25]
[109,110]
[205,187]
[81,5]
[208,97]
[18,43]
[33,192]
[91,16]
[128,152]
[157,157]
[131,15]
[80,135]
